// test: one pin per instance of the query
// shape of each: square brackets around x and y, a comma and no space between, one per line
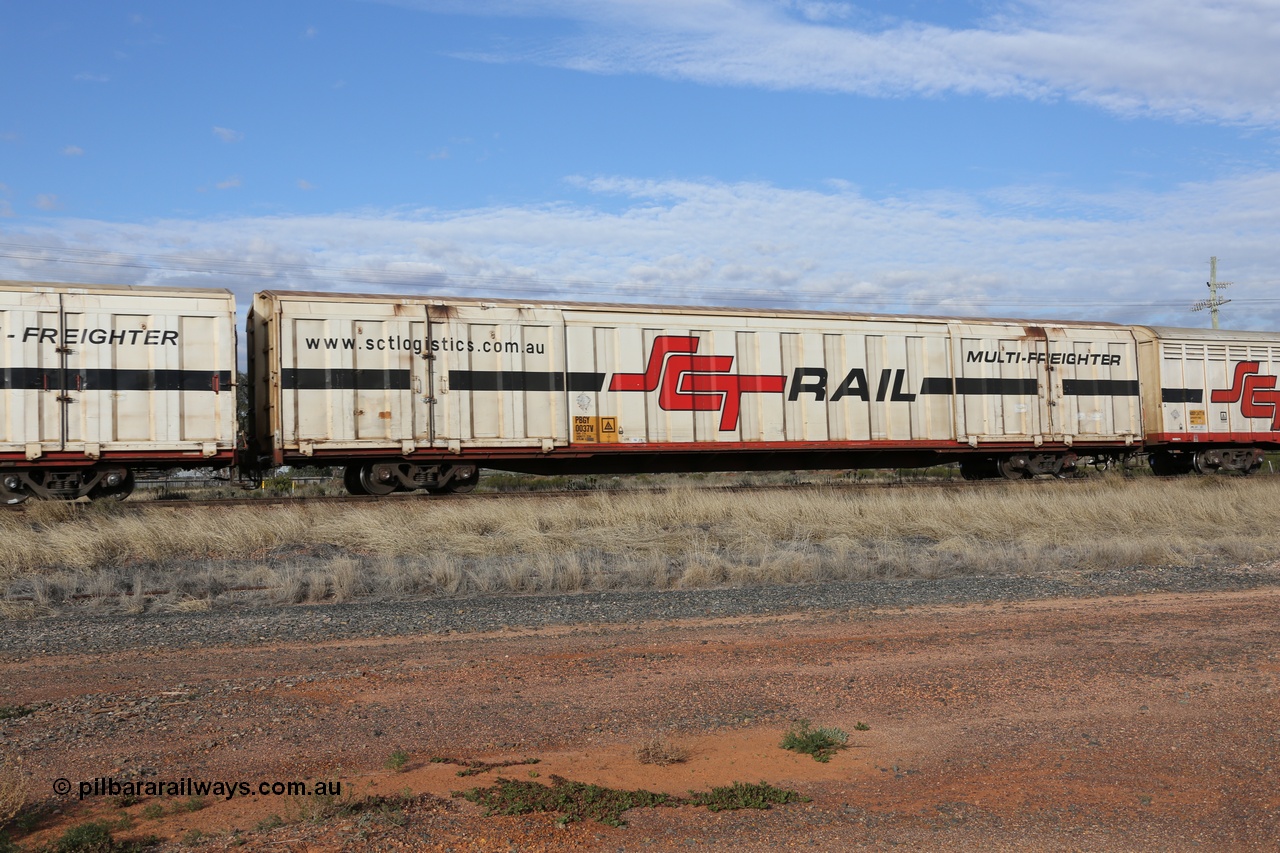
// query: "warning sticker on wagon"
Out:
[1196,419]
[595,430]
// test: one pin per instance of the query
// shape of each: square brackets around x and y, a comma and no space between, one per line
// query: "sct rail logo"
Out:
[1254,391]
[695,383]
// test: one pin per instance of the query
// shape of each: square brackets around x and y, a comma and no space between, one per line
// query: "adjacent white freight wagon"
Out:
[99,380]
[1210,399]
[414,392]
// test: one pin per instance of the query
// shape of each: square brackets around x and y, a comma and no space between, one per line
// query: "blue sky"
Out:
[1040,159]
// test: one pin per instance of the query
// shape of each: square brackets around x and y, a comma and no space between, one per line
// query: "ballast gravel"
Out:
[74,631]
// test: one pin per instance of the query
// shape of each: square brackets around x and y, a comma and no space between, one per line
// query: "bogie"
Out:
[387,477]
[65,484]
[1174,463]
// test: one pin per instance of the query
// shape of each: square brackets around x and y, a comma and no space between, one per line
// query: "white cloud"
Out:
[73,151]
[305,185]
[1216,60]
[227,134]
[48,201]
[90,77]
[1024,251]
[230,183]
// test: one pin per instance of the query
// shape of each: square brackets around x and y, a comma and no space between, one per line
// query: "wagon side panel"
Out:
[98,372]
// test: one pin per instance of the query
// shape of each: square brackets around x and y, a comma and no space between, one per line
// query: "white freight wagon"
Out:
[1209,397]
[415,392]
[99,380]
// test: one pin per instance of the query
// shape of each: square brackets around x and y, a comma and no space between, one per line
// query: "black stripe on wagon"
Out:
[1100,387]
[27,378]
[93,379]
[114,379]
[937,385]
[344,379]
[1181,395]
[523,380]
[970,385]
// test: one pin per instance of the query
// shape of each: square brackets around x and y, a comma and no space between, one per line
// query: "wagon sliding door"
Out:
[146,372]
[349,377]
[498,376]
[1030,384]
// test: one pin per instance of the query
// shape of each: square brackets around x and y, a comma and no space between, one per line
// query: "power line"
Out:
[494,282]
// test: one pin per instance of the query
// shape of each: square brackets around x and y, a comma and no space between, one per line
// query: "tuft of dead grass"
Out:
[661,751]
[13,787]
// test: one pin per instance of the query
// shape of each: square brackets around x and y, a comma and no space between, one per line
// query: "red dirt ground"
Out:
[1138,723]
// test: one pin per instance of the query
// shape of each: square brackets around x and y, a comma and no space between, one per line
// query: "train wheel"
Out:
[119,491]
[373,483]
[1006,469]
[460,485]
[351,480]
[11,493]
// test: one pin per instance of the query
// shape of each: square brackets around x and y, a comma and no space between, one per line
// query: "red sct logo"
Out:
[695,383]
[1254,392]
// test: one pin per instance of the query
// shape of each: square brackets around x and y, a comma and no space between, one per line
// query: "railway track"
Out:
[548,494]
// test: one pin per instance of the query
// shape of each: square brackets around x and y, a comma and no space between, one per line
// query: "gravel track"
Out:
[1084,711]
[73,632]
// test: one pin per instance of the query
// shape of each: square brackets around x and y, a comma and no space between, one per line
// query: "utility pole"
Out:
[1214,301]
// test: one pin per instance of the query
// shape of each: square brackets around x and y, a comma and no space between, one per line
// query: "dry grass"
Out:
[133,556]
[13,788]
[661,751]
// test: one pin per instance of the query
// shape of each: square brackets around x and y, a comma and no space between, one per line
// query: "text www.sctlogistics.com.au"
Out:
[107,786]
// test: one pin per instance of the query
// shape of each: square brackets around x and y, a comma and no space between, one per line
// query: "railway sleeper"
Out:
[386,477]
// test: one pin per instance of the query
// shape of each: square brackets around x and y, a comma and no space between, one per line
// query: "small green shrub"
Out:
[92,837]
[741,795]
[194,804]
[578,801]
[95,837]
[397,761]
[821,743]
[573,801]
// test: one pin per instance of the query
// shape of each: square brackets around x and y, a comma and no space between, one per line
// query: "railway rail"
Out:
[548,494]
